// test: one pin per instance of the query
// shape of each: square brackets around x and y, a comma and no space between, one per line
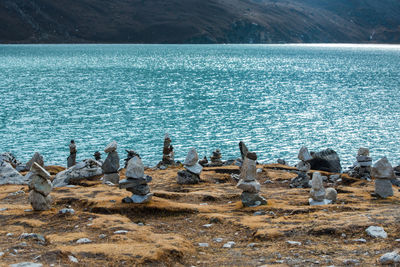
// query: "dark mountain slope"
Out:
[199,21]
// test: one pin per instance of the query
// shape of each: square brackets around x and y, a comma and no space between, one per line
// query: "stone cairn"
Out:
[191,174]
[111,164]
[168,152]
[383,172]
[302,180]
[216,159]
[136,182]
[203,162]
[97,156]
[71,161]
[248,183]
[320,196]
[131,154]
[40,186]
[362,168]
[243,153]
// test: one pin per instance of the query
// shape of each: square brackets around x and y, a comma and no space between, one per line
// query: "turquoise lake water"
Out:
[275,98]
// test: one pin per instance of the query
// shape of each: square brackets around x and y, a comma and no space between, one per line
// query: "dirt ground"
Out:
[167,231]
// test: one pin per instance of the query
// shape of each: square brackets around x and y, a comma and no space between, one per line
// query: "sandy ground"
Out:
[167,231]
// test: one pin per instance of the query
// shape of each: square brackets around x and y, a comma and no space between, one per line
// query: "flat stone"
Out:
[383,188]
[360,240]
[186,177]
[251,187]
[121,232]
[111,147]
[72,259]
[39,202]
[229,244]
[252,199]
[111,164]
[39,170]
[383,169]
[304,154]
[251,155]
[296,243]
[301,181]
[142,189]
[138,199]
[376,231]
[83,241]
[135,168]
[312,202]
[26,264]
[130,182]
[33,236]
[218,240]
[111,177]
[303,166]
[203,245]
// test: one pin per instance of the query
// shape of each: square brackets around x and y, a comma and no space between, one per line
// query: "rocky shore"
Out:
[201,224]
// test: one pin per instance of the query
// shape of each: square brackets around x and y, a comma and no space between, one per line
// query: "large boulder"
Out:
[87,169]
[8,175]
[326,160]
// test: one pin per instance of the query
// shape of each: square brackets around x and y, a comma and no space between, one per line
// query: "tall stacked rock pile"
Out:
[248,183]
[362,168]
[136,182]
[40,186]
[191,174]
[71,160]
[111,164]
[168,152]
[383,172]
[320,196]
[216,159]
[302,180]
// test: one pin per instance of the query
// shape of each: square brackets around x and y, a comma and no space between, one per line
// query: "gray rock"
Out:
[130,182]
[351,262]
[26,264]
[203,245]
[303,166]
[363,151]
[111,177]
[33,236]
[135,168]
[382,169]
[248,171]
[361,240]
[142,189]
[390,258]
[301,181]
[376,231]
[317,192]
[251,187]
[111,164]
[40,185]
[66,211]
[218,240]
[395,182]
[72,259]
[138,199]
[36,158]
[191,162]
[294,243]
[111,147]
[86,169]
[39,202]
[243,149]
[187,177]
[39,170]
[304,154]
[312,202]
[8,175]
[121,232]
[383,188]
[229,244]
[83,241]
[331,194]
[334,177]
[252,199]
[326,160]
[282,161]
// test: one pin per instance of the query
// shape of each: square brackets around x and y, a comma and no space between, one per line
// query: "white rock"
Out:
[191,162]
[120,232]
[304,154]
[361,240]
[390,258]
[296,243]
[204,245]
[66,211]
[10,234]
[83,241]
[218,240]
[8,175]
[72,259]
[376,231]
[82,170]
[111,147]
[26,264]
[3,209]
[1,254]
[229,244]
[208,225]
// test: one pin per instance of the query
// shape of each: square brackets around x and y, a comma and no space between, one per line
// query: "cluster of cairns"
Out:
[136,182]
[248,183]
[191,174]
[40,187]
[362,168]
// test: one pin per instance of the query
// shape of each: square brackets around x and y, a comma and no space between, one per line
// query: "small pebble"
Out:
[362,240]
[229,244]
[9,234]
[72,259]
[120,232]
[204,245]
[294,243]
[66,211]
[102,236]
[208,225]
[83,241]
